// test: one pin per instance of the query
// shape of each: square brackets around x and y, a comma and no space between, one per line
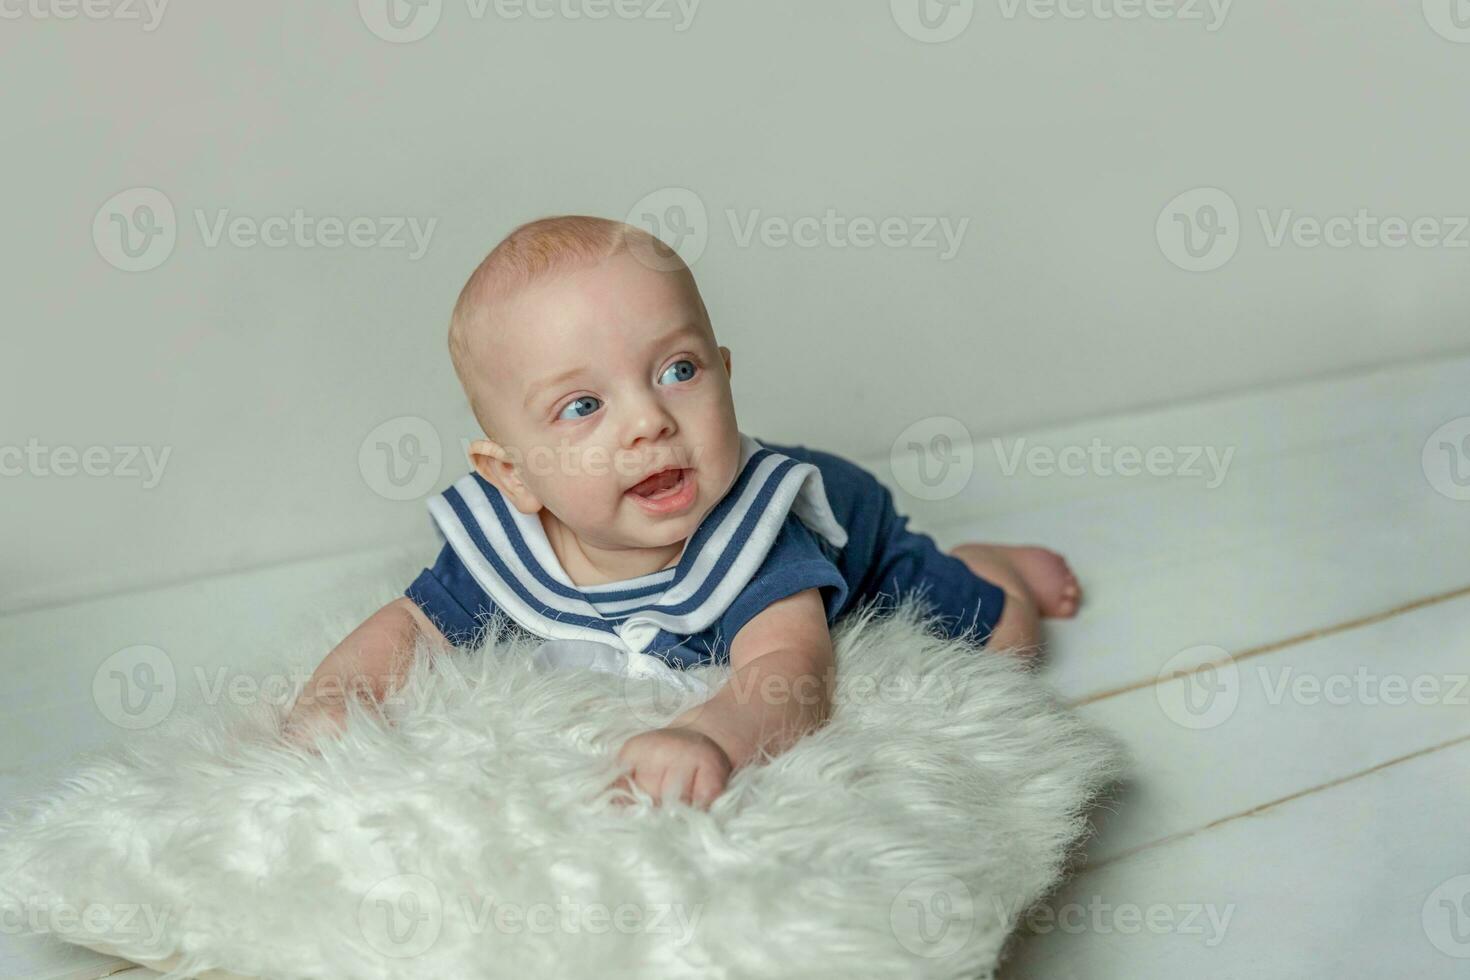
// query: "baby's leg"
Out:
[1037,583]
[1044,574]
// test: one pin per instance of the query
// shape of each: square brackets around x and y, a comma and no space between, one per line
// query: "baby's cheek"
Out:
[592,497]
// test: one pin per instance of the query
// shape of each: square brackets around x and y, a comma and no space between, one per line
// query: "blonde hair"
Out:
[533,251]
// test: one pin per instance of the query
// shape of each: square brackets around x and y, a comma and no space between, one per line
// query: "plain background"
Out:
[271,375]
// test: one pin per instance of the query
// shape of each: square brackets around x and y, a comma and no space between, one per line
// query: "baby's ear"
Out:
[495,463]
[725,356]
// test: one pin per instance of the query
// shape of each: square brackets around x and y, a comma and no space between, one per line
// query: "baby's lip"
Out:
[651,473]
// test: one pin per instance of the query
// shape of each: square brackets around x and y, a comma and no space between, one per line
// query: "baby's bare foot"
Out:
[1049,578]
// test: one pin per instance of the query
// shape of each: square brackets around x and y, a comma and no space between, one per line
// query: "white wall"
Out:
[1060,141]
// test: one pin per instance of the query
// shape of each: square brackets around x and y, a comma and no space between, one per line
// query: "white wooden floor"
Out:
[1296,811]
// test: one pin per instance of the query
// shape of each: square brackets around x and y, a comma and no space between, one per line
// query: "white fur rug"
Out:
[467,833]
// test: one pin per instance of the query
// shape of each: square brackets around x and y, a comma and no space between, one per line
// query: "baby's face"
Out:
[599,378]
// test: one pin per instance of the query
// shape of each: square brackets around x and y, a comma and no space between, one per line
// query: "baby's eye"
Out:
[573,404]
[685,373]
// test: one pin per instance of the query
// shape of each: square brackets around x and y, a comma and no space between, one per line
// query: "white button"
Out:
[638,634]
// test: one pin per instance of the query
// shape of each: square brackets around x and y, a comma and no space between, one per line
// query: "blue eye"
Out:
[575,403]
[683,369]
[686,373]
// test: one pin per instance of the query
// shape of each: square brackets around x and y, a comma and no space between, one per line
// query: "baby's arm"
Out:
[368,664]
[780,688]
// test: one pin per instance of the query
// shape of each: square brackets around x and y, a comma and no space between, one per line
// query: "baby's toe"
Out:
[1071,596]
[1050,579]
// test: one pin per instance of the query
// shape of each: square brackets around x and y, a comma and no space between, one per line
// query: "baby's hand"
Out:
[676,764]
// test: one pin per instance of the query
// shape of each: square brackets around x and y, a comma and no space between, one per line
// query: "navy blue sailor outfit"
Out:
[795,519]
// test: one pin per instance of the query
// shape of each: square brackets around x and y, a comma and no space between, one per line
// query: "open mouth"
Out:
[660,485]
[665,492]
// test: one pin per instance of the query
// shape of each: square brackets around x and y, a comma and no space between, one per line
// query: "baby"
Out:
[615,500]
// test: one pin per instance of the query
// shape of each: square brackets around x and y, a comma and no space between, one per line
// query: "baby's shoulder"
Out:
[842,479]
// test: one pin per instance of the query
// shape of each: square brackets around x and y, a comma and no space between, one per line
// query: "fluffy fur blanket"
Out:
[467,832]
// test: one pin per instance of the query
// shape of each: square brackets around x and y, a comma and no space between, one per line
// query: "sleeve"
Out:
[452,599]
[796,562]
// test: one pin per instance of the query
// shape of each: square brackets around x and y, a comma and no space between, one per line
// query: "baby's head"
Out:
[589,360]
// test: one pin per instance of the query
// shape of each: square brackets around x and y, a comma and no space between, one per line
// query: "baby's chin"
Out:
[657,531]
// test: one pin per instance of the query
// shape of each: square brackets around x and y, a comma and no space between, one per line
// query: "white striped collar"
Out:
[508,554]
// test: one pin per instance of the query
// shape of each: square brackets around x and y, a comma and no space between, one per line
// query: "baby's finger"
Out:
[678,783]
[623,786]
[707,786]
[300,736]
[653,780]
